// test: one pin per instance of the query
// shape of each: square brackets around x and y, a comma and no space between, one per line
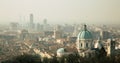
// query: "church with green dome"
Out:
[87,48]
[85,34]
[85,42]
[84,39]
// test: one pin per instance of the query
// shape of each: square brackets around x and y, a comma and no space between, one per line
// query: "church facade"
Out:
[87,48]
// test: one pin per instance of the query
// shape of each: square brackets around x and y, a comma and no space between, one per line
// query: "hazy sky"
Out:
[61,11]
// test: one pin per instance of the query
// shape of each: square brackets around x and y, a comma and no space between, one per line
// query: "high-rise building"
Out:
[31,18]
[38,27]
[31,21]
[46,26]
[104,34]
[14,26]
[45,21]
[57,32]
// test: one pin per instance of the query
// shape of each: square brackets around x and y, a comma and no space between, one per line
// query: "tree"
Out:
[102,53]
[26,58]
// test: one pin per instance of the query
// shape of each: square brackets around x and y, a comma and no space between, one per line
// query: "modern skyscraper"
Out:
[104,34]
[31,21]
[14,26]
[45,21]
[31,18]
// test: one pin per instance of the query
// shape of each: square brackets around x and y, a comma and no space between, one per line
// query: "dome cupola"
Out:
[85,34]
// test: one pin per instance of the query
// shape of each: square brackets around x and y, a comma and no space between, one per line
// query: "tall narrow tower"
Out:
[31,21]
[45,21]
[31,18]
[111,47]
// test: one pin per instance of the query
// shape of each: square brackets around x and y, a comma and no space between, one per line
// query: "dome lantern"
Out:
[85,28]
[85,34]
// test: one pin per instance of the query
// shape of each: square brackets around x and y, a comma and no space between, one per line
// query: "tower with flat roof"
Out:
[31,21]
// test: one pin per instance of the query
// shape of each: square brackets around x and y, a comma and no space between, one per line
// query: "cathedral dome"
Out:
[61,50]
[85,34]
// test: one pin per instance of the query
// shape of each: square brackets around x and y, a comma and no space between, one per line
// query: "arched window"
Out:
[87,45]
[81,44]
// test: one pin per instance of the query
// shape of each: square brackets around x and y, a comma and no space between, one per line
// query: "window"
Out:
[81,44]
[86,44]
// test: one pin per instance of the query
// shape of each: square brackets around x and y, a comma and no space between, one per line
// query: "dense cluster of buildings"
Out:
[47,40]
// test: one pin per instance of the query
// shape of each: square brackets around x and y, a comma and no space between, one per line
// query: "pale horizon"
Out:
[61,11]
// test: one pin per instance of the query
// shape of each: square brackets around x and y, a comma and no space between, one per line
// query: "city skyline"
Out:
[61,11]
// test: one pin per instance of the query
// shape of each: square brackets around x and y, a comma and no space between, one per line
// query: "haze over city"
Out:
[59,31]
[61,11]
